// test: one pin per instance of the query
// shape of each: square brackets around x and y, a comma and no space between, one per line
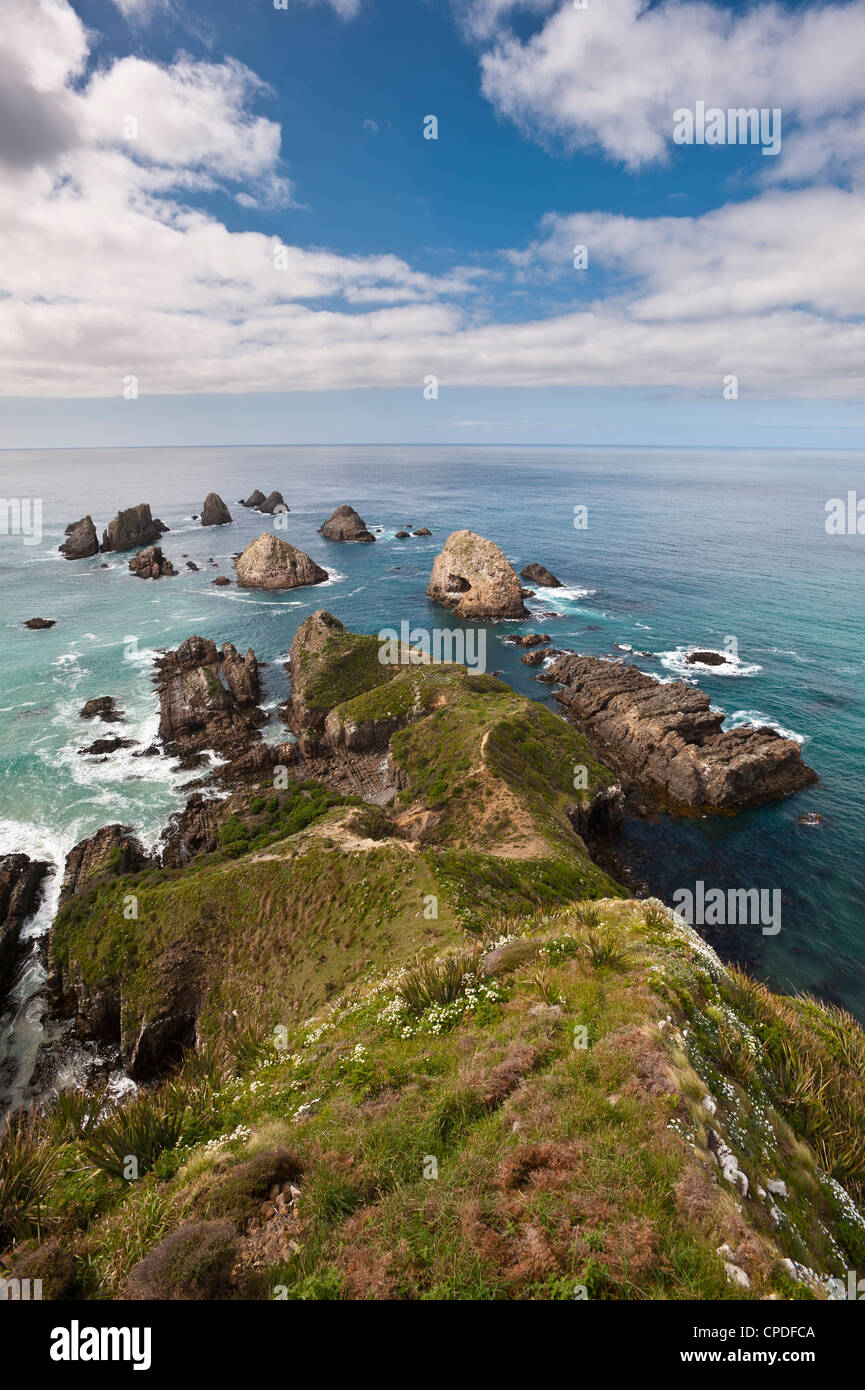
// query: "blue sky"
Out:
[141,301]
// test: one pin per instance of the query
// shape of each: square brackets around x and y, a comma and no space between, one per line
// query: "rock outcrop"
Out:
[114,849]
[20,895]
[345,525]
[132,529]
[271,563]
[538,574]
[254,499]
[208,698]
[82,540]
[668,741]
[214,512]
[708,658]
[39,624]
[151,564]
[102,707]
[473,578]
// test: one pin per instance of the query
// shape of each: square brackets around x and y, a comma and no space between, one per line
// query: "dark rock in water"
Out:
[20,894]
[538,574]
[208,698]
[423,531]
[534,658]
[151,564]
[37,624]
[345,525]
[83,540]
[103,707]
[473,577]
[115,849]
[107,745]
[191,565]
[254,499]
[669,741]
[221,580]
[706,659]
[152,752]
[402,535]
[214,512]
[528,639]
[274,503]
[132,529]
[810,818]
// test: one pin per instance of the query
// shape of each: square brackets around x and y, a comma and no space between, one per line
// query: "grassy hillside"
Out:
[439,1055]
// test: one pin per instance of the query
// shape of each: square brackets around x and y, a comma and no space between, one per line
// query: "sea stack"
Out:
[473,577]
[539,574]
[132,529]
[214,512]
[271,563]
[254,499]
[83,540]
[274,503]
[345,525]
[151,564]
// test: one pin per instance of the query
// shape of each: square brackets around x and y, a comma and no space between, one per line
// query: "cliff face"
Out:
[668,740]
[472,577]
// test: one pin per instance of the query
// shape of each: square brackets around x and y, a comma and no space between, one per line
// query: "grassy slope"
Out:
[559,1166]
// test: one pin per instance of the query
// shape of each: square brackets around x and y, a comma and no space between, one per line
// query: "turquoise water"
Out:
[681,549]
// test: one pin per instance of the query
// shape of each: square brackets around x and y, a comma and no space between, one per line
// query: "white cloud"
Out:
[107,271]
[609,77]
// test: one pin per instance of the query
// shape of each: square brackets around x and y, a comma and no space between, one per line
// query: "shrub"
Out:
[194,1262]
[142,1129]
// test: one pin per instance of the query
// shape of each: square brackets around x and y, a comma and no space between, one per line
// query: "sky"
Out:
[226,223]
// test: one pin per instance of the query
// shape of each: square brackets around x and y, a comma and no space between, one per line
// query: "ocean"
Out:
[681,549]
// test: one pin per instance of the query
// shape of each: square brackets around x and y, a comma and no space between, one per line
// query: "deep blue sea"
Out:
[681,549]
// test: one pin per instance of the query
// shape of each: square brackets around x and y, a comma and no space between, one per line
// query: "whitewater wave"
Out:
[755,719]
[676,660]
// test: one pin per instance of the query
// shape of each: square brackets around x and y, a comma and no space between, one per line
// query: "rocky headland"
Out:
[668,741]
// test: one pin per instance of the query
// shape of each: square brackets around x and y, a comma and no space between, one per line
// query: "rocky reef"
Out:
[474,579]
[666,739]
[271,563]
[208,698]
[345,525]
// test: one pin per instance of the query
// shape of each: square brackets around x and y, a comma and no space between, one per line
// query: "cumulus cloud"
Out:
[609,77]
[110,268]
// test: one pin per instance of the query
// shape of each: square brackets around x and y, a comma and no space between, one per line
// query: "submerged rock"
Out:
[538,574]
[670,742]
[151,564]
[345,525]
[271,563]
[473,578]
[214,512]
[82,540]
